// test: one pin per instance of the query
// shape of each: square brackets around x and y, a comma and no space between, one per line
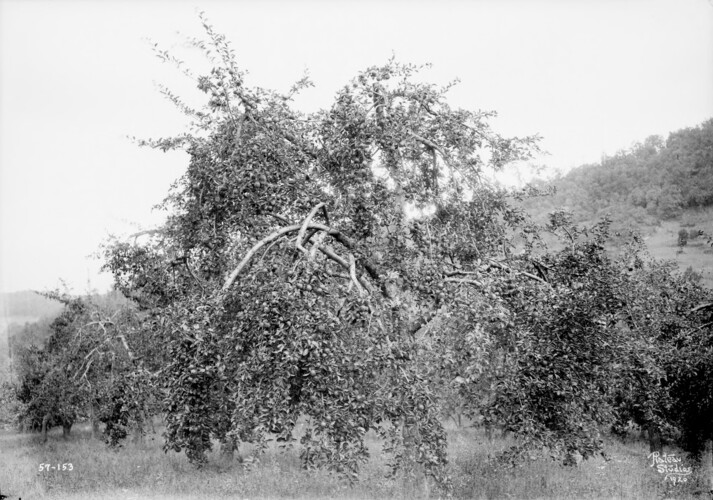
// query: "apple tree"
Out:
[310,263]
[82,369]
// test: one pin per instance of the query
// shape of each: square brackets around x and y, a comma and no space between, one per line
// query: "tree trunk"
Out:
[228,447]
[707,466]
[94,420]
[138,432]
[66,429]
[44,428]
[149,418]
[654,438]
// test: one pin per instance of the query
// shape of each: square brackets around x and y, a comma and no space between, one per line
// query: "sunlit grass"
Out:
[143,470]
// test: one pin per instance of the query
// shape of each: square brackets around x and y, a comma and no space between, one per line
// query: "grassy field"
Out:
[662,244]
[139,471]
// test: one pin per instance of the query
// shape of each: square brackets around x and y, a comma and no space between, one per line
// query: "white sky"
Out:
[76,78]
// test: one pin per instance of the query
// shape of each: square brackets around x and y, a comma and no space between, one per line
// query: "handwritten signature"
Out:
[671,466]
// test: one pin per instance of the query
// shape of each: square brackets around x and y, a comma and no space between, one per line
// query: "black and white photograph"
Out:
[356,249]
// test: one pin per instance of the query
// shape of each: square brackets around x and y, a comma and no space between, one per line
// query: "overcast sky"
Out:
[590,76]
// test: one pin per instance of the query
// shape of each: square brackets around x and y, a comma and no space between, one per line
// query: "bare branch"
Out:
[464,273]
[523,273]
[463,280]
[267,239]
[146,233]
[279,217]
[326,215]
[190,271]
[303,229]
[315,246]
[700,327]
[430,244]
[126,346]
[352,273]
[85,370]
[428,143]
[339,237]
[701,307]
[326,250]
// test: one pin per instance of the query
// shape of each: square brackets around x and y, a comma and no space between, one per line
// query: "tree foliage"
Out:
[653,180]
[295,276]
[352,266]
[76,372]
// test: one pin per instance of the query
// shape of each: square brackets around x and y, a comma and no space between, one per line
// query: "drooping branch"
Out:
[338,236]
[267,239]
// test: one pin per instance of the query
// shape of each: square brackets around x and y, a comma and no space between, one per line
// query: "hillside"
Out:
[657,187]
[18,311]
[27,303]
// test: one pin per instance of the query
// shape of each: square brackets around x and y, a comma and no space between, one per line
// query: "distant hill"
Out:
[652,181]
[19,311]
[658,187]
[28,304]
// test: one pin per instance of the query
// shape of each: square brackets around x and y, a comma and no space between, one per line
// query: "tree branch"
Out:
[456,273]
[523,273]
[279,217]
[336,258]
[126,346]
[369,267]
[316,244]
[428,143]
[146,232]
[85,370]
[267,239]
[352,273]
[303,229]
[700,307]
[700,327]
[190,271]
[463,280]
[326,215]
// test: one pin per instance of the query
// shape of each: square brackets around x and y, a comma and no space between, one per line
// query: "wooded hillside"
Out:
[654,180]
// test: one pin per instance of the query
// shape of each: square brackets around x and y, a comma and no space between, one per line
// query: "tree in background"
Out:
[80,368]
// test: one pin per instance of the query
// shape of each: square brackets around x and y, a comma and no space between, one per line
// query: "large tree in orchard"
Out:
[340,265]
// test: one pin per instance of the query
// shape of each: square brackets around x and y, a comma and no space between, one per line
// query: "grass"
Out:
[139,471]
[663,244]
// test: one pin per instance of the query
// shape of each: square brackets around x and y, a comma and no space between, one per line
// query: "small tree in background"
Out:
[682,238]
[82,366]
